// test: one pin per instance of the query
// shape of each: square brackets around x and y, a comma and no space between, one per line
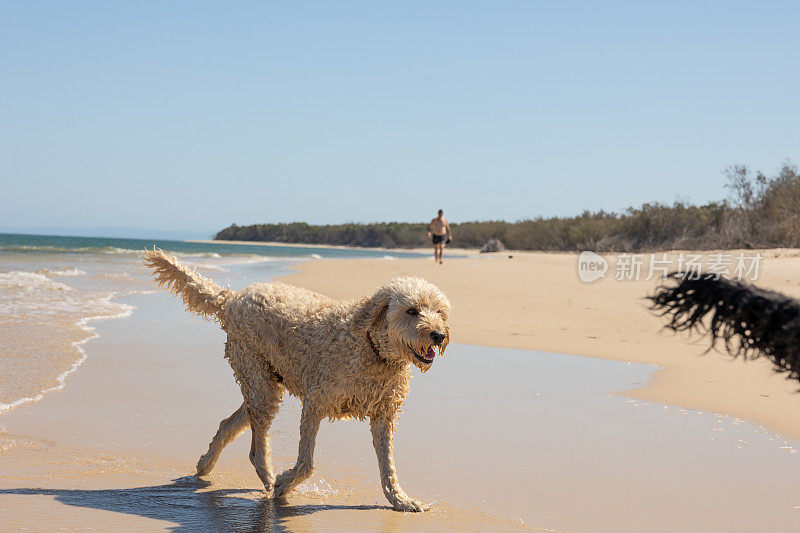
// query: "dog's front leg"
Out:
[382,434]
[302,470]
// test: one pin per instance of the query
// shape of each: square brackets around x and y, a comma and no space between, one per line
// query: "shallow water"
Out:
[115,246]
[64,285]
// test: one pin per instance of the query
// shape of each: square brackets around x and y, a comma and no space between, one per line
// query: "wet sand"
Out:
[536,301]
[497,439]
[323,246]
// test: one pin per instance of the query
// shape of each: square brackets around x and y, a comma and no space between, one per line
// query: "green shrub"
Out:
[761,212]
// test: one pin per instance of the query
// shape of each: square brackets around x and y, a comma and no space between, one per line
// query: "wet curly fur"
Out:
[343,359]
[752,322]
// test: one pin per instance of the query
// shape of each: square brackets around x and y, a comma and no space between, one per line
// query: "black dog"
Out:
[752,322]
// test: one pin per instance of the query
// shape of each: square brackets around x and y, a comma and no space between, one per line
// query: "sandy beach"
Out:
[514,429]
[535,301]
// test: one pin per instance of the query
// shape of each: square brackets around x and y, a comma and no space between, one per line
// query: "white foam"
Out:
[203,266]
[252,259]
[182,255]
[218,262]
[65,273]
[316,256]
[68,273]
[111,250]
[118,275]
[83,323]
[30,281]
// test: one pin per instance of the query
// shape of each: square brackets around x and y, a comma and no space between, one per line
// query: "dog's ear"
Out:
[372,310]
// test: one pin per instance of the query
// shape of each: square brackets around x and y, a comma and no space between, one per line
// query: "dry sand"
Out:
[536,301]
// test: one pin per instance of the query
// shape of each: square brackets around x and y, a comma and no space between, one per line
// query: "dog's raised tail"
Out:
[200,295]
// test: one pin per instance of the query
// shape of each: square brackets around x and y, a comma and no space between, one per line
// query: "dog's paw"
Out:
[204,466]
[410,505]
[283,485]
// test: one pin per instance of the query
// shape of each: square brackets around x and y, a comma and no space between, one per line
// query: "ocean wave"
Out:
[213,255]
[30,281]
[245,259]
[62,250]
[118,276]
[105,302]
[205,266]
[220,264]
[113,250]
[65,273]
[101,250]
[223,258]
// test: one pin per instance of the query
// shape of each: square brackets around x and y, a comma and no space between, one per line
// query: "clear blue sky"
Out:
[194,115]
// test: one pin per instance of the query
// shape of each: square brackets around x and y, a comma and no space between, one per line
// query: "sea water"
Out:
[53,289]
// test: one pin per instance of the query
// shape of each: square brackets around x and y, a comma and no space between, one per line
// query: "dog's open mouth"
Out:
[426,357]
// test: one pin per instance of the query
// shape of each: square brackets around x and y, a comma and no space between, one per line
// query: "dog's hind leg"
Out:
[262,406]
[229,429]
[302,470]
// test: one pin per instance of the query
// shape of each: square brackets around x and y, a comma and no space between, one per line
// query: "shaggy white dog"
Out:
[342,359]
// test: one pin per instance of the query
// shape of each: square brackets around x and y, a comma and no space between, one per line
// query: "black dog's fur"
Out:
[751,321]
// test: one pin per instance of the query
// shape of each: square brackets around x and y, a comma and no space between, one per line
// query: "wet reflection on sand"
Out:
[497,439]
[192,505]
[187,503]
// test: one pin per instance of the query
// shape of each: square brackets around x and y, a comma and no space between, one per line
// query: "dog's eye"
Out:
[413,312]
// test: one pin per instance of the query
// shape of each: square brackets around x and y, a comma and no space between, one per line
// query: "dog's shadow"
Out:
[183,503]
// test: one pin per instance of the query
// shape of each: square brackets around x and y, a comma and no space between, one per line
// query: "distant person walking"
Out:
[440,234]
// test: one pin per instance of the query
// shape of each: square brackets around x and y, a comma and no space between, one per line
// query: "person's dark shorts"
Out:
[438,239]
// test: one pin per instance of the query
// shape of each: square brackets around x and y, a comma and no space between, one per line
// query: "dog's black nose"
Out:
[437,337]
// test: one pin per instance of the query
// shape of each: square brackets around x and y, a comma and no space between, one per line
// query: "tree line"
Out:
[760,212]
